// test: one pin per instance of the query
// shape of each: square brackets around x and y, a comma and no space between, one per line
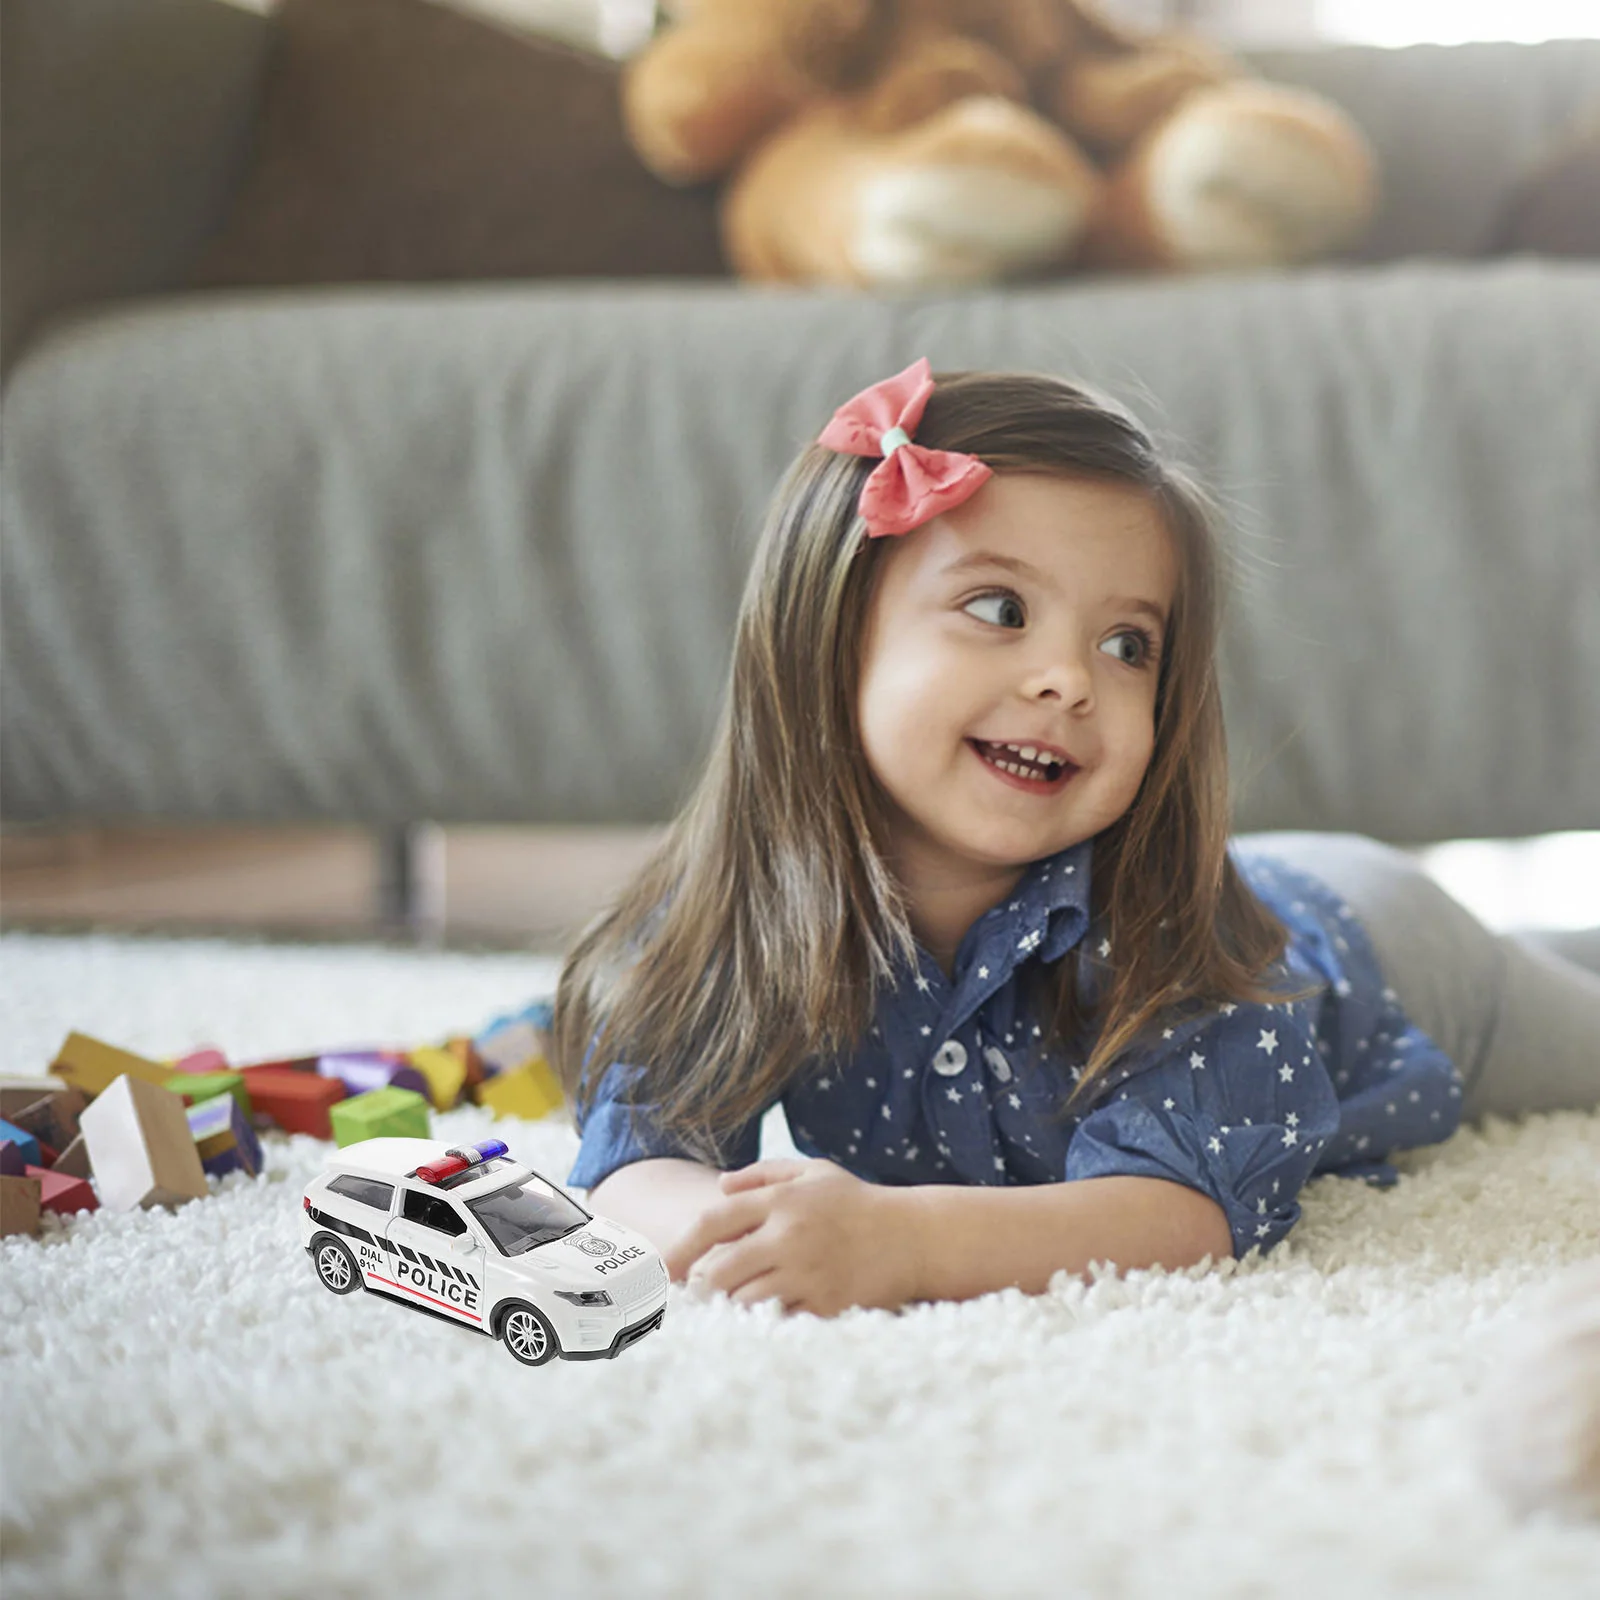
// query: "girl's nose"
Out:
[1063,678]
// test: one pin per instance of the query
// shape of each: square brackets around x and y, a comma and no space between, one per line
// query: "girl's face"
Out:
[1059,651]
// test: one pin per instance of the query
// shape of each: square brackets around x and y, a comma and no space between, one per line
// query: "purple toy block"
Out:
[13,1162]
[224,1137]
[27,1144]
[362,1070]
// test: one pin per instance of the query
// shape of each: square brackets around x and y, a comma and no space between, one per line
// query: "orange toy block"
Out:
[140,1147]
[462,1047]
[298,1102]
[444,1072]
[61,1193]
[92,1065]
[529,1090]
[19,1205]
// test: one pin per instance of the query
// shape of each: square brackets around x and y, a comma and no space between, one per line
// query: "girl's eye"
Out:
[1001,598]
[1144,646]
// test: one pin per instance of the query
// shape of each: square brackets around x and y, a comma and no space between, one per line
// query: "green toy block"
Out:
[194,1087]
[380,1114]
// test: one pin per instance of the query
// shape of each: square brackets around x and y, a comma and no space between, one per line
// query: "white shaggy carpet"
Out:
[187,1411]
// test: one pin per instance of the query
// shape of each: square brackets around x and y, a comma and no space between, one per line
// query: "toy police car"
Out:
[473,1236]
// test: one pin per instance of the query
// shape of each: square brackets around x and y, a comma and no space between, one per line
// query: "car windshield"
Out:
[524,1215]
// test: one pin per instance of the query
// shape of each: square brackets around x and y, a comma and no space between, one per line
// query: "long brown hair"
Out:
[756,937]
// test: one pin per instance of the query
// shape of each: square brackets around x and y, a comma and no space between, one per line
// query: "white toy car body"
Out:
[475,1237]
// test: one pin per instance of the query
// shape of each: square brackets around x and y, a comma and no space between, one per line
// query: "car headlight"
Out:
[585,1297]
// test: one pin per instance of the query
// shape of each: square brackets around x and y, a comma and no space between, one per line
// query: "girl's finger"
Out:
[719,1222]
[733,1266]
[754,1290]
[777,1169]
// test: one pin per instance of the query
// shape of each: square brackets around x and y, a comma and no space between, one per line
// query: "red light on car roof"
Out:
[444,1167]
[459,1157]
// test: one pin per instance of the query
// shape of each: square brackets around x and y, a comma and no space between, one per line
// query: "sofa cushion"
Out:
[403,139]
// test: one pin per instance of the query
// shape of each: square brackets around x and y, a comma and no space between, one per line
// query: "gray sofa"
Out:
[472,552]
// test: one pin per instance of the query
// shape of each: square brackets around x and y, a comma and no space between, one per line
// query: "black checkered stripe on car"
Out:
[417,1258]
[334,1224]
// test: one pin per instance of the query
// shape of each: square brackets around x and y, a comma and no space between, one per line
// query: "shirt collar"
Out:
[1045,915]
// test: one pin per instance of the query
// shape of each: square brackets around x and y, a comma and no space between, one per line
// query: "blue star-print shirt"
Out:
[1243,1102]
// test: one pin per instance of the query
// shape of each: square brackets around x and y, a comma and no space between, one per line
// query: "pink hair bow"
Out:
[912,484]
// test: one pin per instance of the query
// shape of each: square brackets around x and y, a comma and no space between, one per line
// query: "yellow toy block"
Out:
[92,1065]
[529,1090]
[445,1072]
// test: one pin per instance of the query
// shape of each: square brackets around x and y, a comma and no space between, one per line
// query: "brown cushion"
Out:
[1555,209]
[400,139]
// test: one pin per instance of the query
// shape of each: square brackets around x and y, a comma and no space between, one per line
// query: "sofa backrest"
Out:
[1454,128]
[124,125]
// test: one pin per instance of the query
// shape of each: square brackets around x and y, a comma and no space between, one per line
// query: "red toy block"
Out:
[297,1101]
[287,1063]
[61,1193]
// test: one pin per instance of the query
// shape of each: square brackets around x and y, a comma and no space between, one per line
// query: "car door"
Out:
[430,1261]
[358,1208]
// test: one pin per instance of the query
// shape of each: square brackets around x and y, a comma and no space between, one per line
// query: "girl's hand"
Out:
[808,1234]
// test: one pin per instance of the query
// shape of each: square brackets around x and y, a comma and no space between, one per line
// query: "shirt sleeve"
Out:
[1240,1111]
[608,1141]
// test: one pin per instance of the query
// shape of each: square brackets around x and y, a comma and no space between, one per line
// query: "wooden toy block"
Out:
[23,1140]
[92,1065]
[140,1146]
[444,1071]
[380,1113]
[529,1090]
[13,1162]
[361,1071]
[298,1102]
[208,1059]
[18,1092]
[224,1137]
[74,1160]
[52,1118]
[61,1193]
[19,1205]
[193,1087]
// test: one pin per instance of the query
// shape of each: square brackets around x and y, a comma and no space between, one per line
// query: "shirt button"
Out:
[998,1064]
[950,1058]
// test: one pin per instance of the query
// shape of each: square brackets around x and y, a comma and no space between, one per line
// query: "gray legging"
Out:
[1518,1013]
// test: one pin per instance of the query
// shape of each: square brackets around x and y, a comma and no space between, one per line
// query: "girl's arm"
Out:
[979,1239]
[662,1197]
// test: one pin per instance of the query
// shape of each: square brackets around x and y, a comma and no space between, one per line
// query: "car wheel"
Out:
[527,1335]
[335,1265]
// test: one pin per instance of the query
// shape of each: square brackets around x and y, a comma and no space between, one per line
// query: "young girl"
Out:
[956,889]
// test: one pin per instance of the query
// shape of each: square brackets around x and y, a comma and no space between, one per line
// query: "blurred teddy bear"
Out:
[923,143]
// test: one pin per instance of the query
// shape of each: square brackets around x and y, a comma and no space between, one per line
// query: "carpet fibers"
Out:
[188,1412]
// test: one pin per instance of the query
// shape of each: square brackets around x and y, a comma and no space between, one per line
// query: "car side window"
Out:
[367,1190]
[432,1212]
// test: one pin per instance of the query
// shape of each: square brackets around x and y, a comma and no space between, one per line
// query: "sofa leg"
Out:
[411,882]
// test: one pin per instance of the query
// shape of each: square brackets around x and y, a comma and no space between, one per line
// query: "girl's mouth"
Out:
[1030,776]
